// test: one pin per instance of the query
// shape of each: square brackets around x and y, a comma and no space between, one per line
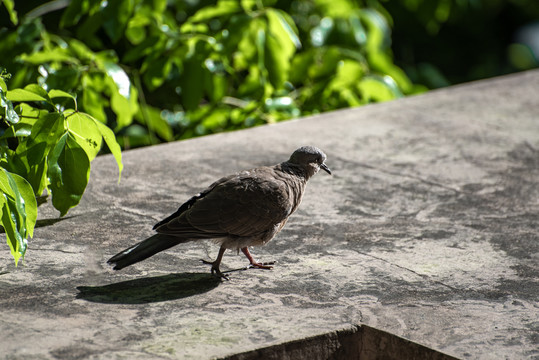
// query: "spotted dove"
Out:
[237,211]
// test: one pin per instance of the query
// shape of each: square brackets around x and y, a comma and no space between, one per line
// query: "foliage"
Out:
[158,70]
[45,143]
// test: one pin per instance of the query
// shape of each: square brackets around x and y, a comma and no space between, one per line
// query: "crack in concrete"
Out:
[59,250]
[409,270]
[408,176]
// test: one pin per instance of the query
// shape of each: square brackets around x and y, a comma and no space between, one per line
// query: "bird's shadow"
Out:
[150,289]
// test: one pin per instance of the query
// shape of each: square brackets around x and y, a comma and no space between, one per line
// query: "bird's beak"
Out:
[325,168]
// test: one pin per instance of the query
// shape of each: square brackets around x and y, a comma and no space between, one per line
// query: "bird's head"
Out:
[311,159]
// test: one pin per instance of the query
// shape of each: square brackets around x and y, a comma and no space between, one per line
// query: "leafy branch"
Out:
[44,146]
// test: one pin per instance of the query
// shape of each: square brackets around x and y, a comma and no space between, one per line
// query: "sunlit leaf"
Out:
[124,108]
[28,118]
[223,7]
[25,95]
[379,32]
[10,7]
[43,136]
[14,239]
[93,101]
[120,78]
[68,172]
[45,56]
[336,8]
[80,49]
[18,211]
[152,118]
[25,202]
[278,18]
[279,48]
[10,115]
[374,88]
[215,120]
[110,139]
[85,132]
[53,94]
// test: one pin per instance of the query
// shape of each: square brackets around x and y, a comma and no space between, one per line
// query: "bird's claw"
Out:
[265,265]
[215,271]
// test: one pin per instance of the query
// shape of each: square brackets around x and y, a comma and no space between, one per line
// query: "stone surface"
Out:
[428,230]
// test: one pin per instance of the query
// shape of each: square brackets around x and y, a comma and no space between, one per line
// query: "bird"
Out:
[238,211]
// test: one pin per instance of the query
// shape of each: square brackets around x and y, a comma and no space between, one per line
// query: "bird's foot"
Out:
[215,271]
[253,263]
[256,265]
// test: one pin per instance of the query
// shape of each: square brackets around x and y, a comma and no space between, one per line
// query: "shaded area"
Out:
[49,222]
[45,222]
[150,289]
[359,342]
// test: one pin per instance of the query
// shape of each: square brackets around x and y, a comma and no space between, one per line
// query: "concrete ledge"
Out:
[355,343]
[427,231]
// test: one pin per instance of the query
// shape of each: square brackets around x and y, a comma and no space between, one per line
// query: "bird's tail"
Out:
[143,250]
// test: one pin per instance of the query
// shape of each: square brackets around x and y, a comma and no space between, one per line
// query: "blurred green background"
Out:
[158,70]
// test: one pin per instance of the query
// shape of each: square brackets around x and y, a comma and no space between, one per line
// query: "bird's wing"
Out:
[247,204]
[187,205]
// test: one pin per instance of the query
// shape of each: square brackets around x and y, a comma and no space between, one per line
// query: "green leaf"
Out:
[123,98]
[113,145]
[56,54]
[25,95]
[335,8]
[73,13]
[53,94]
[279,48]
[117,14]
[379,32]
[286,23]
[378,89]
[223,7]
[14,239]
[45,132]
[93,102]
[59,94]
[152,118]
[347,75]
[124,108]
[25,202]
[85,132]
[10,115]
[28,118]
[10,7]
[18,211]
[120,78]
[191,84]
[68,172]
[33,152]
[80,50]
[216,120]
[157,71]
[38,90]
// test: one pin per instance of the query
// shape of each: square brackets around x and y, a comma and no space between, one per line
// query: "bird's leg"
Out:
[215,264]
[253,263]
